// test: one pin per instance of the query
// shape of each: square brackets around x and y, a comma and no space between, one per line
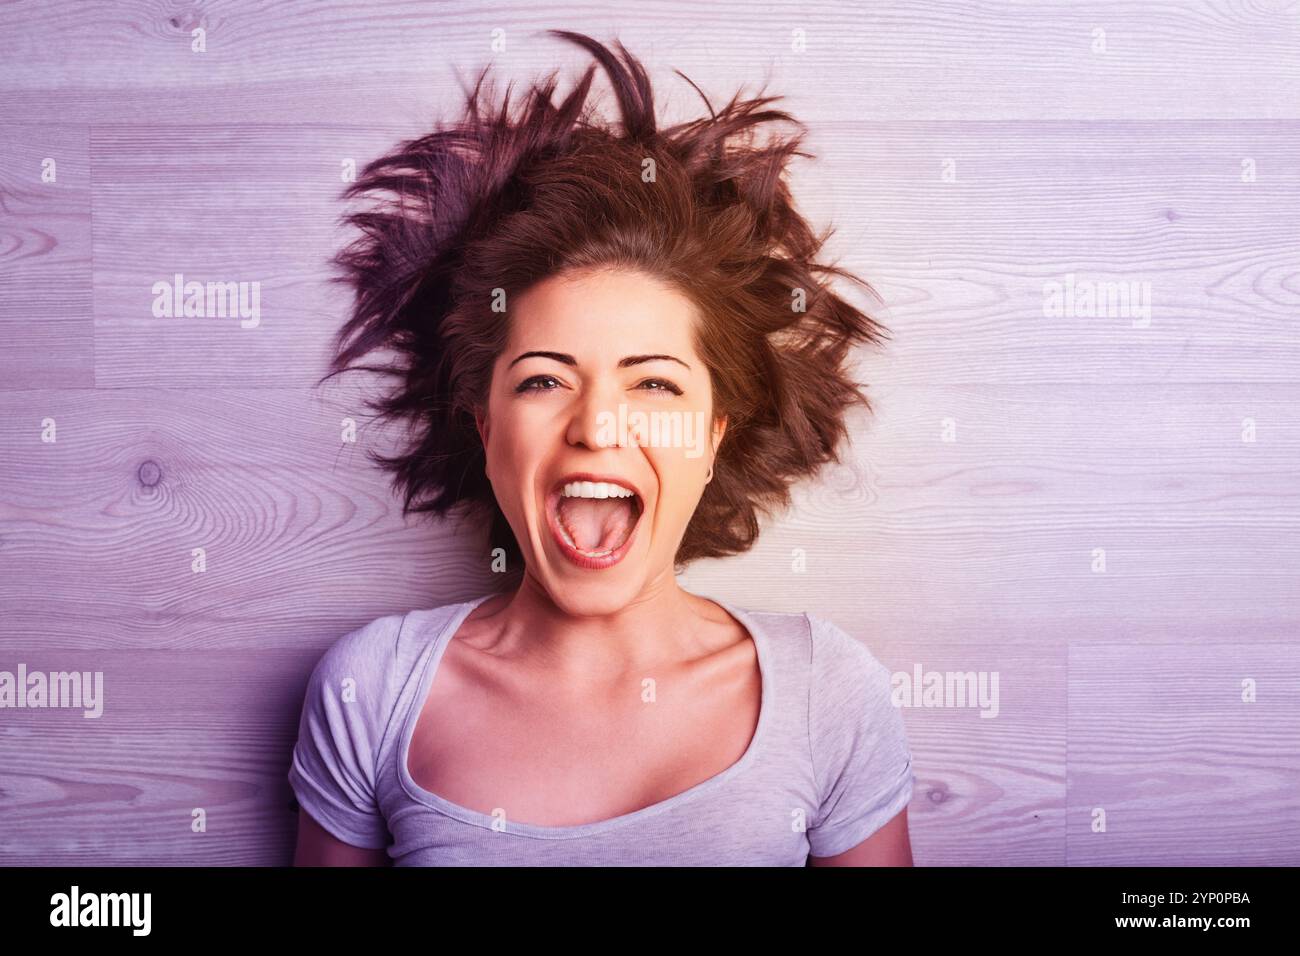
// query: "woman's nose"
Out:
[593,420]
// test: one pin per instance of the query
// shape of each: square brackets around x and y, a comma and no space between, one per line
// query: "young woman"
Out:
[615,347]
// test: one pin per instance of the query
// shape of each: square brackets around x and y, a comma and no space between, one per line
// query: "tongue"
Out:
[596,524]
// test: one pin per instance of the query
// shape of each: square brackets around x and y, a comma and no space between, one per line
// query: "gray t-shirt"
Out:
[828,765]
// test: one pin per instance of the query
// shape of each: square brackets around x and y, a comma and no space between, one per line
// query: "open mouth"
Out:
[593,521]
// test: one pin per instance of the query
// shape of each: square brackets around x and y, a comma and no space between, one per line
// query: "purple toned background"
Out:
[968,154]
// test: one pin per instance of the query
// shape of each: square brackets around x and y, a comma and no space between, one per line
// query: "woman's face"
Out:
[599,380]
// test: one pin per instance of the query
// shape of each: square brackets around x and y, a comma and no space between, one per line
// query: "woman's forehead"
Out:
[602,314]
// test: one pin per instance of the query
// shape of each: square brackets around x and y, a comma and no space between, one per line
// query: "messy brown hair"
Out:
[499,201]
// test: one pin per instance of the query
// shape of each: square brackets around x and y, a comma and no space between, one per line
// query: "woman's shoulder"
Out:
[383,647]
[833,649]
[845,678]
[820,642]
[361,674]
[837,670]
[363,649]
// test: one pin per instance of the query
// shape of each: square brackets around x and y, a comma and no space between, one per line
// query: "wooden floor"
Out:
[1102,510]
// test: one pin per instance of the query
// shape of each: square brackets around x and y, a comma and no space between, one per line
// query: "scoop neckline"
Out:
[439,643]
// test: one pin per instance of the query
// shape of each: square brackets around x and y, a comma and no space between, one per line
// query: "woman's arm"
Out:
[888,846]
[318,847]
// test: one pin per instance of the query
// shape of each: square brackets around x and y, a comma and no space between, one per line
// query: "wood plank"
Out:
[265,202]
[303,61]
[964,267]
[179,731]
[1186,772]
[99,528]
[46,315]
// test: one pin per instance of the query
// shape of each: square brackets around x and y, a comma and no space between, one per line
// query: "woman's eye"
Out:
[529,384]
[663,386]
[538,384]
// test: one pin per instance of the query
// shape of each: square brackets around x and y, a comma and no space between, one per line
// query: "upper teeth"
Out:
[595,489]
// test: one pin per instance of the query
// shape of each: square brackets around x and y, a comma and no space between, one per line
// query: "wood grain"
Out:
[46,313]
[302,61]
[1183,768]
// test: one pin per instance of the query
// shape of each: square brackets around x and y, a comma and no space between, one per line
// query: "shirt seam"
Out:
[384,739]
[812,760]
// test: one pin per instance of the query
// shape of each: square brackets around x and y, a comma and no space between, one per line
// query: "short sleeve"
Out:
[349,700]
[861,758]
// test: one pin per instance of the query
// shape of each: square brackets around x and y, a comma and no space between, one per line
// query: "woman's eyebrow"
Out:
[624,362]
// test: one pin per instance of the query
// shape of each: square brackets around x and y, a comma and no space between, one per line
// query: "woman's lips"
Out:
[581,558]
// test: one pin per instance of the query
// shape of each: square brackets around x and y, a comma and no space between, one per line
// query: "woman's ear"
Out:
[719,429]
